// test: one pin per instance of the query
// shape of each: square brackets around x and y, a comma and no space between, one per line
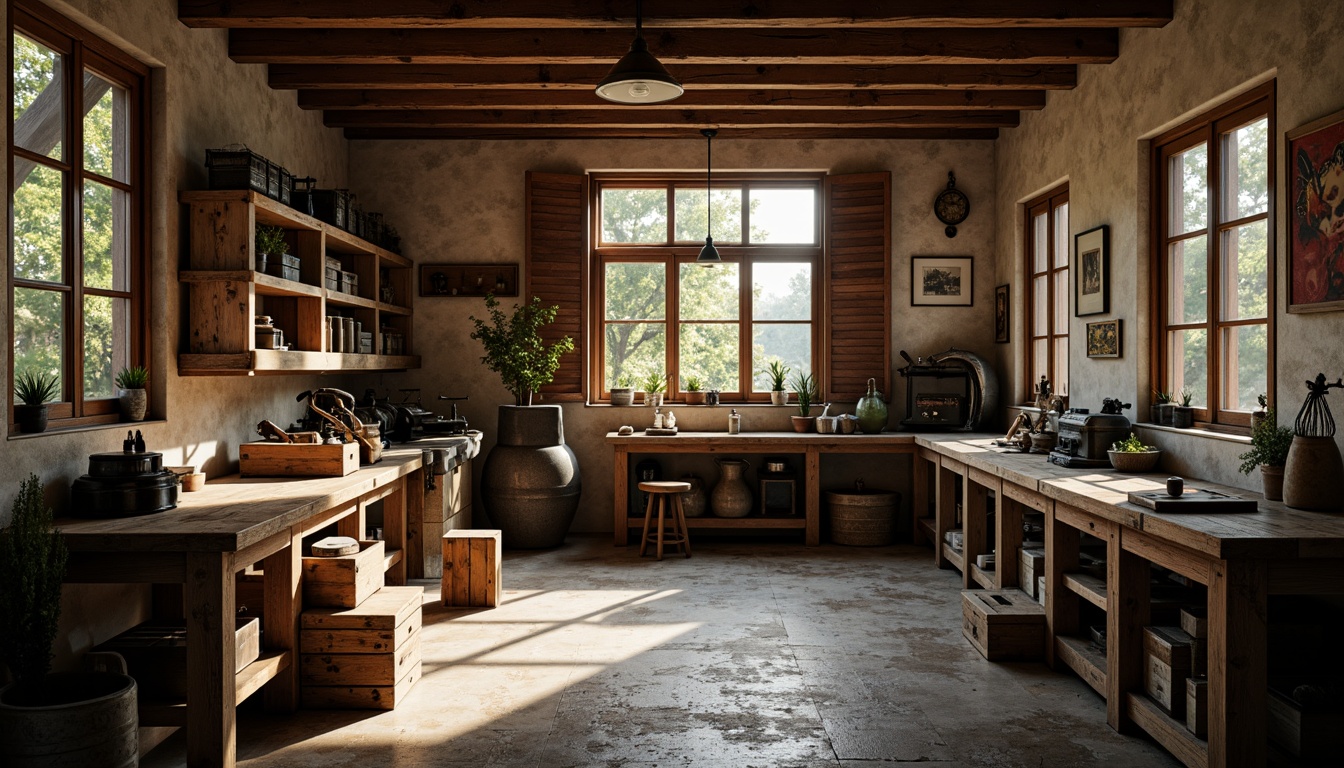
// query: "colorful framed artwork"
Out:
[1001,314]
[1103,338]
[468,279]
[941,281]
[1316,215]
[1091,272]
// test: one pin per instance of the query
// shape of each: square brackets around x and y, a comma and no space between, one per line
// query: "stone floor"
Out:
[745,655]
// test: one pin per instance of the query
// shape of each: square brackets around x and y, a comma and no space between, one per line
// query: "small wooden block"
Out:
[472,568]
[1003,624]
[1197,706]
[346,581]
[1195,622]
[1031,566]
[335,546]
[1167,660]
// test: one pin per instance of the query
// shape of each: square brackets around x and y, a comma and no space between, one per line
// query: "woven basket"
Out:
[1145,461]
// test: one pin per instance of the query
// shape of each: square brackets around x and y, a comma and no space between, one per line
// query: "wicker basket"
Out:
[1143,461]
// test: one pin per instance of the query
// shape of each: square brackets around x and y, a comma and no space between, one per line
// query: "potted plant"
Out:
[134,397]
[530,483]
[778,373]
[1261,412]
[1269,452]
[72,718]
[34,390]
[1182,415]
[1131,455]
[270,241]
[695,386]
[805,391]
[623,393]
[1160,411]
[654,384]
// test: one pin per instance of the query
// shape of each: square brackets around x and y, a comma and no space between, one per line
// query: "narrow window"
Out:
[1048,290]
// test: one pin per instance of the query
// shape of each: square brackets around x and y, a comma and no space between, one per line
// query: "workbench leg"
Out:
[1007,543]
[394,532]
[1061,605]
[620,484]
[1238,676]
[211,727]
[416,545]
[281,607]
[945,513]
[813,495]
[1128,610]
[974,528]
[919,498]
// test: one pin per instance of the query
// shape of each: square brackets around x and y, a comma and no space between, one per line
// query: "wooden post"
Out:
[621,495]
[1061,607]
[1128,607]
[974,527]
[812,492]
[211,723]
[394,531]
[1238,676]
[414,556]
[919,499]
[282,606]
[1008,546]
[946,513]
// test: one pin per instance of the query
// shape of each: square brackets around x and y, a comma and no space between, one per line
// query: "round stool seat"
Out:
[664,486]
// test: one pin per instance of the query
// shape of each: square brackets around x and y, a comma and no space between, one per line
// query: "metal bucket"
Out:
[863,518]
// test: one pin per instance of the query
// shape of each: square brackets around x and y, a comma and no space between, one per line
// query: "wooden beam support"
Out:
[686,119]
[638,132]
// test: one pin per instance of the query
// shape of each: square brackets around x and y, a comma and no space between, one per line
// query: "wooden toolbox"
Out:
[1309,732]
[471,569]
[156,654]
[1003,624]
[345,581]
[361,658]
[1167,663]
[267,459]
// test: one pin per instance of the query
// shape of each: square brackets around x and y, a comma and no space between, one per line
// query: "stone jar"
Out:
[134,404]
[1313,477]
[693,501]
[732,496]
[872,412]
[530,484]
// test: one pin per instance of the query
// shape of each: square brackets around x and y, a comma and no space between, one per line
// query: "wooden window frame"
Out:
[84,51]
[1048,203]
[672,254]
[1208,129]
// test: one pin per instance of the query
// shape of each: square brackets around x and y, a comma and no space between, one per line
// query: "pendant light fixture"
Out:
[709,255]
[639,78]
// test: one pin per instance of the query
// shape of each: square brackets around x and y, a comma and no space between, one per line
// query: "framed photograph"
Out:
[1091,272]
[941,281]
[468,279]
[1316,222]
[1001,315]
[1103,338]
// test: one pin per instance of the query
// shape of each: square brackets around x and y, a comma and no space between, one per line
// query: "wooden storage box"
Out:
[471,569]
[266,459]
[1166,663]
[362,658]
[1309,733]
[156,654]
[1031,566]
[345,581]
[1003,624]
[350,283]
[1197,706]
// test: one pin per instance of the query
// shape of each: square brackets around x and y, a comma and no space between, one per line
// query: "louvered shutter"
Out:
[557,256]
[858,285]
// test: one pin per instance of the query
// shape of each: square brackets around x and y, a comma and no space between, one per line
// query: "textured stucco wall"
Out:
[1095,136]
[464,202]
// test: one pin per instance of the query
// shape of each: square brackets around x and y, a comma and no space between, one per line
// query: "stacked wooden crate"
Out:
[446,507]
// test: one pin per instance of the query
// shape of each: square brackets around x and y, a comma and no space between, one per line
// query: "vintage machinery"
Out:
[456,425]
[334,408]
[953,390]
[1084,437]
[411,417]
[124,484]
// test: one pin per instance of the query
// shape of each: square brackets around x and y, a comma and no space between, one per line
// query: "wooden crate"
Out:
[360,669]
[471,569]
[1166,662]
[359,696]
[380,624]
[1003,624]
[361,658]
[1197,706]
[156,654]
[1031,566]
[266,459]
[1307,733]
[346,581]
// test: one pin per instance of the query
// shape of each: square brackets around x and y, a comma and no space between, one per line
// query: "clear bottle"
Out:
[734,422]
[657,418]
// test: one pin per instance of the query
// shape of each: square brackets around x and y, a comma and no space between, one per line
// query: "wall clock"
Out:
[951,206]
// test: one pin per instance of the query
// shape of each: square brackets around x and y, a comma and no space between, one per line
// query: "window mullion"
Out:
[75,338]
[1215,273]
[672,322]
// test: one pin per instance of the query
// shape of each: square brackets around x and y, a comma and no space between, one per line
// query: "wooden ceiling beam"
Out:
[685,119]
[679,13]
[675,47]
[547,133]
[723,76]
[539,98]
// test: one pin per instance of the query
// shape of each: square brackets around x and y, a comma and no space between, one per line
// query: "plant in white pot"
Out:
[623,393]
[34,390]
[134,400]
[70,718]
[1269,451]
[653,387]
[530,483]
[805,391]
[778,373]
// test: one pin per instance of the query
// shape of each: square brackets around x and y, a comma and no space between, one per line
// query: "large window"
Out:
[661,313]
[76,211]
[1214,260]
[1048,291]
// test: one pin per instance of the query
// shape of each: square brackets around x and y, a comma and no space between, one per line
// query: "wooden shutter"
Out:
[557,257]
[857,340]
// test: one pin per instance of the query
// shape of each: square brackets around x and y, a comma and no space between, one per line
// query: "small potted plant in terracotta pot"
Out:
[134,399]
[1183,416]
[805,391]
[33,390]
[695,386]
[778,373]
[623,393]
[1131,455]
[1269,452]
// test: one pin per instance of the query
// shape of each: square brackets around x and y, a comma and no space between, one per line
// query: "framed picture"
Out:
[468,279]
[1103,338]
[1091,272]
[1001,314]
[1316,223]
[941,281]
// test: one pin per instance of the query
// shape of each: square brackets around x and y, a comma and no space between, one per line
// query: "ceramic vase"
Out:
[872,412]
[530,484]
[779,397]
[31,418]
[622,396]
[732,496]
[1313,478]
[693,501]
[134,404]
[1271,480]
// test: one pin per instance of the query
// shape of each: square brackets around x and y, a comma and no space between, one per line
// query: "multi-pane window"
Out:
[1214,261]
[664,314]
[1048,291]
[76,203]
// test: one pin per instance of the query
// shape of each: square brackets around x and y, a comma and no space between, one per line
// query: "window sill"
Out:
[16,435]
[680,404]
[1198,432]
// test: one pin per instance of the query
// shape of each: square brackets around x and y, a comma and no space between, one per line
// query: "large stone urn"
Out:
[1313,477]
[80,719]
[530,484]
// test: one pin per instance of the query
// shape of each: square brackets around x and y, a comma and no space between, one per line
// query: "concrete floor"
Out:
[748,654]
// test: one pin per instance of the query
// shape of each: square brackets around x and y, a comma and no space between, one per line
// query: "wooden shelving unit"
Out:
[226,292]
[1088,587]
[1080,656]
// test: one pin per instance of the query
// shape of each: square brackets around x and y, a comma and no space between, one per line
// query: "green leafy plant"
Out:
[33,388]
[694,383]
[271,240]
[132,378]
[1269,445]
[1185,397]
[778,373]
[623,381]
[1131,444]
[654,383]
[515,349]
[1262,400]
[804,387]
[1160,397]
[32,565]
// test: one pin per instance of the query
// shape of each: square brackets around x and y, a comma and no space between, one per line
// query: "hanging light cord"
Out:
[639,18]
[709,174]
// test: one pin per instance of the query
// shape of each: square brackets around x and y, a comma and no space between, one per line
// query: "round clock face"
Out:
[952,206]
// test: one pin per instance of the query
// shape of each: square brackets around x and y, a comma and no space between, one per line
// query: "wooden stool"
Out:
[659,491]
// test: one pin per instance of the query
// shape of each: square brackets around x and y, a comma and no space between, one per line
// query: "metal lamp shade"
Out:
[709,254]
[639,78]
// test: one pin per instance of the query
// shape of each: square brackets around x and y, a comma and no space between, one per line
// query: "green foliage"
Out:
[805,388]
[1131,444]
[32,565]
[654,383]
[271,240]
[1160,397]
[623,381]
[33,388]
[694,383]
[1269,445]
[133,378]
[1262,400]
[779,373]
[515,350]
[1185,396]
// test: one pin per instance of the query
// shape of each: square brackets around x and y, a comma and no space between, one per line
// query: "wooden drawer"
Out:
[343,582]
[1003,624]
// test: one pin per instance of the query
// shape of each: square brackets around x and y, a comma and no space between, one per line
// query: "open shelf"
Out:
[1081,657]
[954,557]
[730,522]
[339,299]
[390,558]
[272,362]
[1167,730]
[926,524]
[173,713]
[1088,587]
[982,577]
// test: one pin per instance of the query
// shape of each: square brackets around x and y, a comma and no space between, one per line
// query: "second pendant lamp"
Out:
[709,255]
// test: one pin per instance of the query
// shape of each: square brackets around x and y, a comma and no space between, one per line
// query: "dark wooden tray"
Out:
[1193,500]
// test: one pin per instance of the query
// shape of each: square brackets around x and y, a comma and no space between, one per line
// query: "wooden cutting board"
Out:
[1192,500]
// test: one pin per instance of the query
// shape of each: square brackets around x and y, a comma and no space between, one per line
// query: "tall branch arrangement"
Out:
[32,566]
[515,349]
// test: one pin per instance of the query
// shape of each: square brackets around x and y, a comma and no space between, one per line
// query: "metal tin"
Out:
[121,464]
[127,496]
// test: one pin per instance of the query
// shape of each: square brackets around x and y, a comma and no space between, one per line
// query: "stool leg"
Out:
[681,523]
[662,508]
[648,513]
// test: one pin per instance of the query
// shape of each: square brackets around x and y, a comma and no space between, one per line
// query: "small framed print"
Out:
[1103,338]
[1091,272]
[1001,314]
[941,281]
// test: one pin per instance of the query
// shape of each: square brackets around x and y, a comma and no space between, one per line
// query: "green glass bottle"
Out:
[872,412]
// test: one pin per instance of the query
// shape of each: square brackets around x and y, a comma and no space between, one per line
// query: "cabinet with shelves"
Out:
[226,293]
